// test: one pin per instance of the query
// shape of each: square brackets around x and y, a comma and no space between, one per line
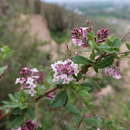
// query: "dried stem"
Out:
[123,38]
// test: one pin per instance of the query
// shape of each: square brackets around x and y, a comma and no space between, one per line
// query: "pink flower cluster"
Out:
[79,36]
[64,71]
[102,35]
[29,125]
[29,80]
[113,72]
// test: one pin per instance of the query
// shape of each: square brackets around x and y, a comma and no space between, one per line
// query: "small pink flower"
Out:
[25,71]
[29,125]
[79,36]
[29,80]
[113,72]
[102,35]
[87,115]
[20,80]
[64,71]
[51,95]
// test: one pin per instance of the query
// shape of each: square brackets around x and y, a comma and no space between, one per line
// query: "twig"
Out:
[45,94]
[81,121]
[69,53]
[124,52]
[100,57]
[123,38]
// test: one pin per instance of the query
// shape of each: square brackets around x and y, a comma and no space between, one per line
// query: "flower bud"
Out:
[102,35]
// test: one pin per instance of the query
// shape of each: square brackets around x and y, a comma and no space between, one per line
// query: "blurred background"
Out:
[38,30]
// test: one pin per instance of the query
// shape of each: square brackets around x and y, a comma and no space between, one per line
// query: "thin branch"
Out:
[69,53]
[81,121]
[45,94]
[124,52]
[100,57]
[123,38]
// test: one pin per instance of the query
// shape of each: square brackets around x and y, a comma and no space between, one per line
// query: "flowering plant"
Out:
[67,90]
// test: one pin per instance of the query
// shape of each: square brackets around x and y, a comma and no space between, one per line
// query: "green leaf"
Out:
[30,112]
[108,49]
[12,98]
[88,86]
[83,93]
[117,43]
[16,119]
[92,122]
[18,100]
[81,60]
[126,53]
[5,52]
[128,46]
[2,69]
[60,100]
[91,36]
[92,44]
[106,61]
[114,42]
[73,109]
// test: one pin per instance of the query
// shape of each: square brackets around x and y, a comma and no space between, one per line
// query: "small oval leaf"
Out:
[81,60]
[60,100]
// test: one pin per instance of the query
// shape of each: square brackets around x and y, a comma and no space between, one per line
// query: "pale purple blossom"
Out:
[34,70]
[29,79]
[20,80]
[79,36]
[102,35]
[113,72]
[64,71]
